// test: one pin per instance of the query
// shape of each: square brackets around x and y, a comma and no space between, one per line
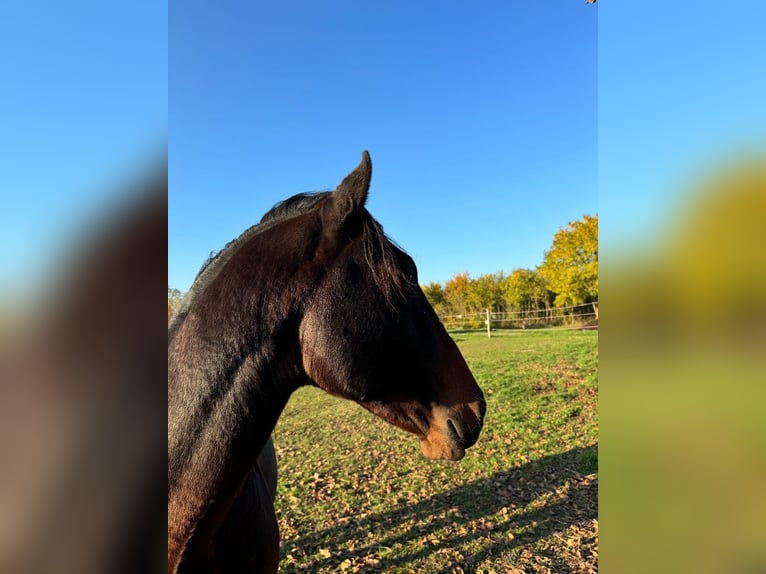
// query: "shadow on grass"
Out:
[457,511]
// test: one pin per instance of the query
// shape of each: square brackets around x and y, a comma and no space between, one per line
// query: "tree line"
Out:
[568,276]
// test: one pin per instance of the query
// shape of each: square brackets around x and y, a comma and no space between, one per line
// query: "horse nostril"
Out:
[466,436]
[453,431]
[482,408]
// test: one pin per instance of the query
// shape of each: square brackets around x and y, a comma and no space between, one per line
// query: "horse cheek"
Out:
[318,354]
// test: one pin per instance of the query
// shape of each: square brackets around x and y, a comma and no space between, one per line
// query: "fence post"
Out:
[489,335]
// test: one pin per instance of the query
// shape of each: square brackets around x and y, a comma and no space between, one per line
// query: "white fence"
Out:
[576,317]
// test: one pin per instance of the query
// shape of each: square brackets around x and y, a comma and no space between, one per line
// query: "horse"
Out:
[315,294]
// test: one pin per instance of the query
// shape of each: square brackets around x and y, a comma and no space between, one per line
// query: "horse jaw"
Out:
[438,438]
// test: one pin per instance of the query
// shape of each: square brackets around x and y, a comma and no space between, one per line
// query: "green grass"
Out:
[356,494]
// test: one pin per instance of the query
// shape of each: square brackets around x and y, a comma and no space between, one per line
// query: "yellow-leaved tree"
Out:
[571,265]
[456,293]
[526,290]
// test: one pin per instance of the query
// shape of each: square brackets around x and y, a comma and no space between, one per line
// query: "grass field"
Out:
[356,494]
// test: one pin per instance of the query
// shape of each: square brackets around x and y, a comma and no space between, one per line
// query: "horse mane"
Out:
[377,247]
[281,211]
[295,205]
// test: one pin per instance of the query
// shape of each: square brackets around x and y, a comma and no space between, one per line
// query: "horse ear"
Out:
[351,194]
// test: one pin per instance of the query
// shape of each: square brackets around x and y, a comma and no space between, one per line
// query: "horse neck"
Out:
[232,365]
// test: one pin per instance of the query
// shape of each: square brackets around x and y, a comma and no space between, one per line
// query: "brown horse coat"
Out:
[316,294]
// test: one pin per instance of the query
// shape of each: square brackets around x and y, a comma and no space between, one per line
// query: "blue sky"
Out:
[490,125]
[682,87]
[83,109]
[480,119]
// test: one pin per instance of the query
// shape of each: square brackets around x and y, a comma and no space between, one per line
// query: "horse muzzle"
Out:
[452,430]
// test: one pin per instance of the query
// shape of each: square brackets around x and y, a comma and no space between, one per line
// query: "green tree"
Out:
[486,292]
[434,292]
[174,300]
[570,266]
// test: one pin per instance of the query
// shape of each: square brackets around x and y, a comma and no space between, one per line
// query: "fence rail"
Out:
[574,317]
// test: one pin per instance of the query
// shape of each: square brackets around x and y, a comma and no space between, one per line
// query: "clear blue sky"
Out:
[480,119]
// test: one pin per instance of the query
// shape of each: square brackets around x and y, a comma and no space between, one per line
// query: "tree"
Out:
[570,266]
[527,290]
[456,293]
[174,300]
[434,293]
[486,292]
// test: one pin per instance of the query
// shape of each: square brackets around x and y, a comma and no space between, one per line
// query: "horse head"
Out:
[368,333]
